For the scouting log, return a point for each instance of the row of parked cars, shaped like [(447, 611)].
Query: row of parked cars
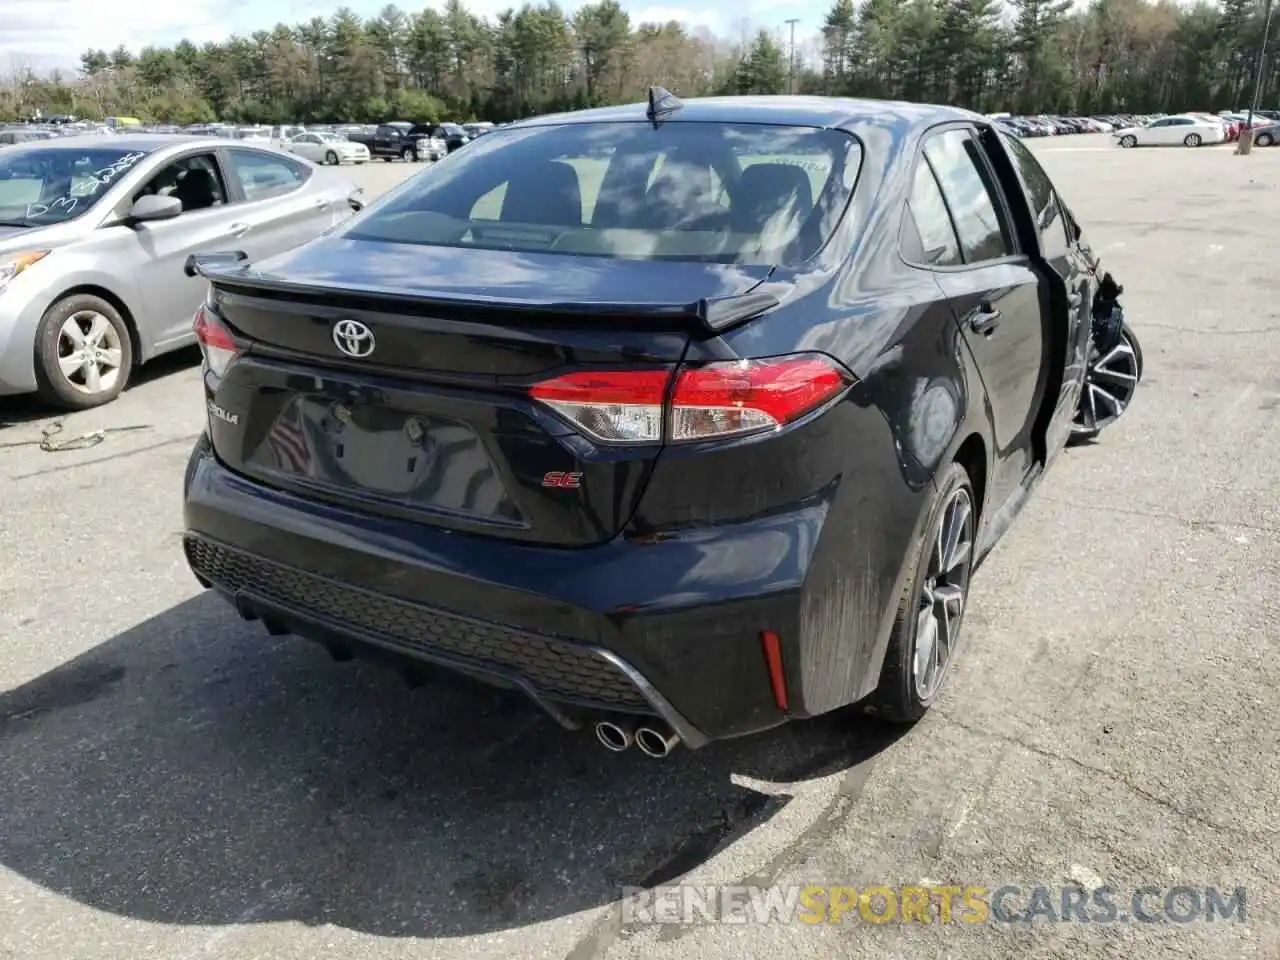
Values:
[(1147, 129), (1194, 129), (1043, 126)]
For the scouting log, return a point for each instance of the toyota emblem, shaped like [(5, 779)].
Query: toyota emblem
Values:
[(353, 338)]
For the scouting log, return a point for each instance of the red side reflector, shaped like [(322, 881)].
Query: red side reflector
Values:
[(773, 659)]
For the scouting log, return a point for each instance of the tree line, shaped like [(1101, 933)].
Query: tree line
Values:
[(1036, 56)]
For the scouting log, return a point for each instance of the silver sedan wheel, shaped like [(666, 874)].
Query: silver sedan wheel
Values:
[(89, 352), (943, 595)]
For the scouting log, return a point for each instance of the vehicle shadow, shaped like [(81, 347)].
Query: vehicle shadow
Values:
[(193, 770), (28, 408)]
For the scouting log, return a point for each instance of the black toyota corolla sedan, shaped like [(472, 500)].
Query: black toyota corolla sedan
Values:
[(684, 418)]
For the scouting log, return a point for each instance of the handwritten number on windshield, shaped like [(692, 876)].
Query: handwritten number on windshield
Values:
[(65, 205), (95, 181), (107, 174)]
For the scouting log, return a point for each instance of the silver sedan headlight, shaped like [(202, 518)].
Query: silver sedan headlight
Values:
[(12, 264)]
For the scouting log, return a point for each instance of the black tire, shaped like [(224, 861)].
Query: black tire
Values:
[(1081, 430), (409, 155), (1192, 140), (56, 388), (331, 159), (897, 698), (1264, 140), (1129, 140)]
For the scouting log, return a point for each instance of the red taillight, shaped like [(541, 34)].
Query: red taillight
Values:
[(723, 399), (216, 342)]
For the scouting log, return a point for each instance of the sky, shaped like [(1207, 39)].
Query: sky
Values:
[(50, 34)]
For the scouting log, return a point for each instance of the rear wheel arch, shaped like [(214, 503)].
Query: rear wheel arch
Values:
[(972, 455)]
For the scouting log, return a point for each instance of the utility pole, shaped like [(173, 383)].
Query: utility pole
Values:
[(791, 60), (1259, 66)]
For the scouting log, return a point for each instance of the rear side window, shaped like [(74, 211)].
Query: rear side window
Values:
[(939, 246), (265, 175), (956, 159), (724, 193)]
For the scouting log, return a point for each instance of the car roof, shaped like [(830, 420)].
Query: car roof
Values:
[(143, 142), (798, 111), (146, 142)]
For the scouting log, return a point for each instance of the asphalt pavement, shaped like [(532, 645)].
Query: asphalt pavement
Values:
[(175, 784)]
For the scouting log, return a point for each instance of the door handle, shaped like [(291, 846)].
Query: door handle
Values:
[(984, 320), (238, 229), (322, 204)]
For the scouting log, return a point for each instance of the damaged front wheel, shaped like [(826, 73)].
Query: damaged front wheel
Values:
[(1111, 379)]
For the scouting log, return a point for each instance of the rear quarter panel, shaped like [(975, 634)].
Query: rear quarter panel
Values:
[(917, 398)]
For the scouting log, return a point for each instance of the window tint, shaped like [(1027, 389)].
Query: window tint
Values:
[(957, 162), (939, 246), (725, 193), (194, 180), (264, 175)]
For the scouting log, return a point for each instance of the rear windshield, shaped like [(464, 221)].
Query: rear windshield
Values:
[(46, 185), (723, 193)]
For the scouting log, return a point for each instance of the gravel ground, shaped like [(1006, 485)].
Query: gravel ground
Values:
[(175, 784)]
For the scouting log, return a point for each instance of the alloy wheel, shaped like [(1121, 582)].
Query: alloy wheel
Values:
[(1109, 384), (89, 352), (943, 594)]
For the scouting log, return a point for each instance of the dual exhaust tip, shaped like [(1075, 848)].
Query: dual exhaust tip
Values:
[(652, 741)]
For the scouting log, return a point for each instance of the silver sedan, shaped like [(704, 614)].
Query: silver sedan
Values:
[(94, 233)]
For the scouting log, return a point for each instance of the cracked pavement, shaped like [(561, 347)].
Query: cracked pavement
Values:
[(176, 784)]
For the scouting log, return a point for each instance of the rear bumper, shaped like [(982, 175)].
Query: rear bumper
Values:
[(668, 628)]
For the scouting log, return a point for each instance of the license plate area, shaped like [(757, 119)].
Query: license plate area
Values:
[(386, 454)]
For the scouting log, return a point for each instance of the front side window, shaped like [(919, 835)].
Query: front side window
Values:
[(194, 180), (724, 193), (1044, 200), (957, 161), (264, 175), (40, 186)]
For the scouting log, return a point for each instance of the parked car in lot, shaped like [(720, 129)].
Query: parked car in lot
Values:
[(93, 235), (12, 135), (686, 439), (1181, 130), (327, 148), (411, 142), (1267, 136)]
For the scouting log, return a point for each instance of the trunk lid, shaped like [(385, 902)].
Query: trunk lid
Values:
[(429, 419)]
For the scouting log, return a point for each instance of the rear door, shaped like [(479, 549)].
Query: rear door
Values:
[(307, 145), (996, 297), (387, 139), (276, 209), (1160, 134)]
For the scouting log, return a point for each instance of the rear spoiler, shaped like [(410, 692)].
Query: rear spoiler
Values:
[(708, 317)]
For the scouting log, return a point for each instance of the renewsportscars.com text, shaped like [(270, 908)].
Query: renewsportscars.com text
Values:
[(946, 904)]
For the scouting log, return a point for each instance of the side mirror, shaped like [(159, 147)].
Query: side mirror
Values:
[(154, 207)]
